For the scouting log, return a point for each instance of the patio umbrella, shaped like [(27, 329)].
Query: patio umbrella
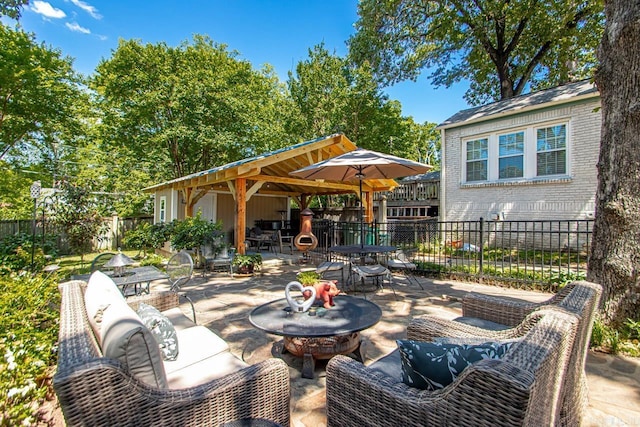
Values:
[(358, 165)]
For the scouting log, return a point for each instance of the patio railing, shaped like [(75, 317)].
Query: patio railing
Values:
[(533, 254)]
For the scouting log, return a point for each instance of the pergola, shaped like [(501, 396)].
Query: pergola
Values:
[(269, 174)]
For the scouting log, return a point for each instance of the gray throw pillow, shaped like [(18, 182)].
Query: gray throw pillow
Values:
[(432, 366), (162, 330)]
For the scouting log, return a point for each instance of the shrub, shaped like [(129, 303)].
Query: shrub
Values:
[(15, 254), (194, 232), (154, 260), (29, 308), (308, 278), (147, 236)]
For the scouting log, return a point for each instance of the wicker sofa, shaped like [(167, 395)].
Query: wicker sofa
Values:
[(205, 386)]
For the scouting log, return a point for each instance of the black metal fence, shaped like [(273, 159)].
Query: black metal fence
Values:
[(533, 254)]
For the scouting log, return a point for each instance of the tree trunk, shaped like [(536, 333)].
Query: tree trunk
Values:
[(615, 253)]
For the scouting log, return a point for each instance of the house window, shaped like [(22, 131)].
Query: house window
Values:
[(477, 155), (511, 155), (522, 154), (162, 212), (551, 150)]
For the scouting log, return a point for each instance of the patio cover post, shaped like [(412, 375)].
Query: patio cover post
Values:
[(240, 215)]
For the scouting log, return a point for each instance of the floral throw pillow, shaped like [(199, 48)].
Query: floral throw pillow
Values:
[(432, 365), (162, 330)]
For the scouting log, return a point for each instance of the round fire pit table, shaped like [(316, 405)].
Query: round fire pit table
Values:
[(318, 333)]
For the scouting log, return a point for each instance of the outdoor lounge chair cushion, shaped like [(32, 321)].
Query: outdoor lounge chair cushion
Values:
[(100, 293), (124, 337), (203, 357), (162, 330), (433, 365)]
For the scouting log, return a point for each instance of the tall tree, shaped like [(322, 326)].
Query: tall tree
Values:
[(39, 92), (183, 109), (501, 47), (332, 95), (12, 8), (615, 259)]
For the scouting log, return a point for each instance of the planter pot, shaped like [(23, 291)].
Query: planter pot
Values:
[(244, 269)]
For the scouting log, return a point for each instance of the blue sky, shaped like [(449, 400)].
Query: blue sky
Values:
[(279, 33)]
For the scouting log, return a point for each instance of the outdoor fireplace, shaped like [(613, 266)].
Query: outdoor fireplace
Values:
[(305, 240)]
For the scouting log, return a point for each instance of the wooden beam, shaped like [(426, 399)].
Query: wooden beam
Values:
[(240, 215), (197, 196), (188, 208), (368, 204), (254, 189), (232, 188), (306, 182)]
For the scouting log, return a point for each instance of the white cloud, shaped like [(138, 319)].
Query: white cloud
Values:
[(45, 9), (87, 8), (77, 28)]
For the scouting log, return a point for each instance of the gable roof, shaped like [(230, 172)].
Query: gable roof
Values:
[(570, 92), (273, 169)]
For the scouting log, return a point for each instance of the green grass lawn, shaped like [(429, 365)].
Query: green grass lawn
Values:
[(74, 264)]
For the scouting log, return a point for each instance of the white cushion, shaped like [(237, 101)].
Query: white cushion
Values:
[(124, 337), (178, 319), (100, 293), (196, 344), (204, 371)]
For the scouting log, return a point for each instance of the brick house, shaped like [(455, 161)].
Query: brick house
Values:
[(532, 157)]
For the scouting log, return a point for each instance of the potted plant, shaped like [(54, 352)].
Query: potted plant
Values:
[(308, 278), (247, 264), (194, 233)]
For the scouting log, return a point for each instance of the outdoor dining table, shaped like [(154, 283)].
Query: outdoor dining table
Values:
[(362, 251), (139, 277), (377, 271)]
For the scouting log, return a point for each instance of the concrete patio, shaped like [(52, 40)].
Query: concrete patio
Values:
[(224, 303)]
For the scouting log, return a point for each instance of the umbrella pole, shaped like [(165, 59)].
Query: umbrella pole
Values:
[(361, 217)]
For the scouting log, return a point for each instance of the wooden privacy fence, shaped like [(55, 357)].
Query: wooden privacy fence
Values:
[(109, 238)]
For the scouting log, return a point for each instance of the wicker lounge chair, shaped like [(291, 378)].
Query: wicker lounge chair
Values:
[(580, 298), (96, 390), (522, 388)]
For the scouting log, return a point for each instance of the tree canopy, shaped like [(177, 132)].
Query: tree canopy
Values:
[(187, 108), (332, 95), (500, 47), (39, 90)]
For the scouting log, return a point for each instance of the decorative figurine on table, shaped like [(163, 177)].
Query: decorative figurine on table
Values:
[(324, 293), (300, 307)]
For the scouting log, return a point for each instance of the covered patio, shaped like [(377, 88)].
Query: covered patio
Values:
[(263, 175)]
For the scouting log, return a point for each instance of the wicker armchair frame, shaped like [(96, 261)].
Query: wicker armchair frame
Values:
[(523, 388), (95, 390), (580, 298)]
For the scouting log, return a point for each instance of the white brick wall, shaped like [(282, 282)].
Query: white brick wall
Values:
[(567, 198)]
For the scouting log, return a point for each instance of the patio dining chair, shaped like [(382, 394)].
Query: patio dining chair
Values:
[(285, 241), (99, 261), (180, 269), (401, 262), (377, 272)]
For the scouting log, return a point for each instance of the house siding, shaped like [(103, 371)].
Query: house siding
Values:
[(566, 197)]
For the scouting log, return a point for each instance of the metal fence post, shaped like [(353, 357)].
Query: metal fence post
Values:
[(481, 244)]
